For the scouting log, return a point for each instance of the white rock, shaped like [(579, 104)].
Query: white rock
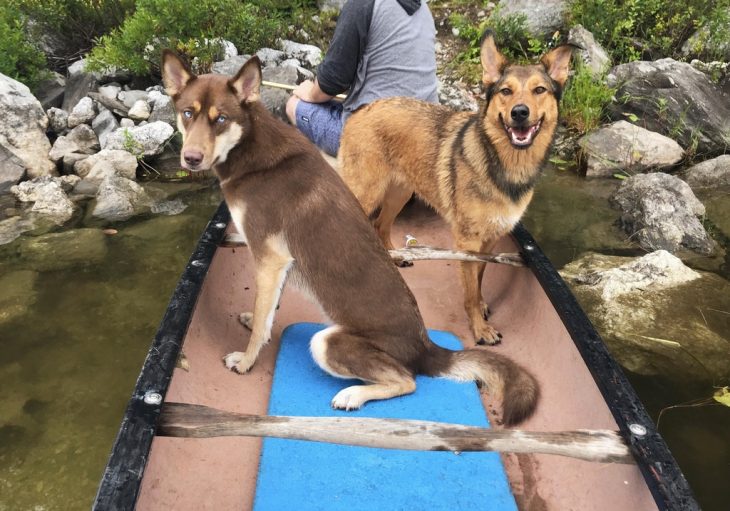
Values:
[(108, 161), (119, 198), (48, 195), (83, 113), (147, 140), (140, 111), (307, 53), (58, 120)]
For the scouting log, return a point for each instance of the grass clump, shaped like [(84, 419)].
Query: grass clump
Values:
[(586, 98)]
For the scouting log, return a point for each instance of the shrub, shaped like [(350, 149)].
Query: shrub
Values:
[(21, 60), (67, 29), (651, 29), (191, 28)]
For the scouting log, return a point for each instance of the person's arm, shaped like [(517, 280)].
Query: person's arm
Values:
[(311, 92), (337, 72)]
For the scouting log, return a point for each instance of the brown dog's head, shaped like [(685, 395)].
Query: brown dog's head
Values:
[(522, 101), (213, 111)]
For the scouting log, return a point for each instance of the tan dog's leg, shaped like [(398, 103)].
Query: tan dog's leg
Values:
[(271, 273), (471, 277), (395, 198), (350, 356)]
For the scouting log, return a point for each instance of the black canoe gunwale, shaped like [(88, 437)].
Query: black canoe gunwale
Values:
[(122, 478)]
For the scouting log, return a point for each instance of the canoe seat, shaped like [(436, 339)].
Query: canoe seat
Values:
[(302, 476)]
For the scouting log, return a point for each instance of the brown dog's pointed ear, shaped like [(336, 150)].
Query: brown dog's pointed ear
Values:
[(175, 73), (557, 63), (247, 82), (493, 62)]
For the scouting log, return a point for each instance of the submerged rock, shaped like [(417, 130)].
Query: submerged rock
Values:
[(119, 198), (19, 294), (48, 195), (710, 174), (660, 211), (56, 251), (656, 315)]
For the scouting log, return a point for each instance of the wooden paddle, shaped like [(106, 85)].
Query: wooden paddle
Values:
[(197, 421), (288, 87)]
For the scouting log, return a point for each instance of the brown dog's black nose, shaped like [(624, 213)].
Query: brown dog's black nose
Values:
[(193, 158), (520, 113)]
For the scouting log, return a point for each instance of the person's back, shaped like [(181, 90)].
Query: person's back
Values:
[(381, 48), (399, 59)]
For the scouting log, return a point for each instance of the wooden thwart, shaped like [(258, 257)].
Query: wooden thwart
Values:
[(197, 421)]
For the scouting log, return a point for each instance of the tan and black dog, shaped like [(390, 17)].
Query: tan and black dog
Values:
[(477, 170), (301, 221)]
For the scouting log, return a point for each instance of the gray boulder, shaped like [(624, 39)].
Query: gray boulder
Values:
[(147, 140), (304, 74), (230, 66), (48, 195), (455, 97), (542, 17), (11, 228), (110, 91), (83, 113), (309, 54), (273, 98), (57, 120), (78, 86), (710, 174), (163, 110), (625, 146), (104, 125), (81, 139), (592, 54), (130, 97), (11, 169), (126, 123), (119, 198), (23, 126), (70, 160), (656, 315), (270, 57), (107, 162), (660, 212), (140, 111), (675, 99), (50, 91)]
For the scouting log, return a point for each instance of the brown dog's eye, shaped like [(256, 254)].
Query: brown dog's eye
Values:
[(540, 90), (187, 114), (505, 91)]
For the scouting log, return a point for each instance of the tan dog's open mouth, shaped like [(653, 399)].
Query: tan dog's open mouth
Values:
[(522, 136)]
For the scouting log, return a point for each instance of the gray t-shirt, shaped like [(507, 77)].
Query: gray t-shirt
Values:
[(381, 48)]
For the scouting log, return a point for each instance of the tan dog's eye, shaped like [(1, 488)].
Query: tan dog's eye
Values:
[(540, 90), (505, 92)]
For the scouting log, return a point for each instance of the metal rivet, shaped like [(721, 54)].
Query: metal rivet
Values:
[(638, 429), (198, 262), (220, 225), (529, 246), (152, 398)]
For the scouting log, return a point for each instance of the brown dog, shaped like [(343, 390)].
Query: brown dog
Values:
[(477, 170), (300, 220)]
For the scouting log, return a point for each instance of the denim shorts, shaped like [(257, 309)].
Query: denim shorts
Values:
[(321, 123)]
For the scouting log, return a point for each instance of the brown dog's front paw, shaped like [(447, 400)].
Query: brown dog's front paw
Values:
[(484, 333)]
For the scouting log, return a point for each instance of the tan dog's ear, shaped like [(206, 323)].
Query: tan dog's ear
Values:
[(175, 73), (493, 62), (557, 63), (247, 82)]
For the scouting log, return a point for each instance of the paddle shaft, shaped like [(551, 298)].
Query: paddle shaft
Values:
[(286, 86), (197, 421)]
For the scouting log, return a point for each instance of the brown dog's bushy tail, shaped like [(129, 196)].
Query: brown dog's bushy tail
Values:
[(505, 379)]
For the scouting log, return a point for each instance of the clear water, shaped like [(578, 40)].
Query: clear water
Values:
[(68, 362)]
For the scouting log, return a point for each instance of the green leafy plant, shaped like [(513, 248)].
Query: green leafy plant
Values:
[(194, 29), (585, 100), (21, 59)]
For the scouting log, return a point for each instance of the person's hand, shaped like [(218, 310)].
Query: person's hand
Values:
[(304, 91)]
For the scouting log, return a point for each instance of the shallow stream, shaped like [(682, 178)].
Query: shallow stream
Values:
[(73, 341)]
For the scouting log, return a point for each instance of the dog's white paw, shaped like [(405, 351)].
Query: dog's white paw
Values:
[(238, 362), (246, 319), (350, 398)]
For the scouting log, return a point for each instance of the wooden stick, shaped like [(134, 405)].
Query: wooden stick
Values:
[(419, 253), (422, 252), (196, 421), (286, 86)]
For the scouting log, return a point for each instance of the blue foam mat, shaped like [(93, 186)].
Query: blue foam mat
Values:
[(304, 476)]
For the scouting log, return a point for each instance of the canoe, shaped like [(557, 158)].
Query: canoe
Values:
[(544, 328)]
